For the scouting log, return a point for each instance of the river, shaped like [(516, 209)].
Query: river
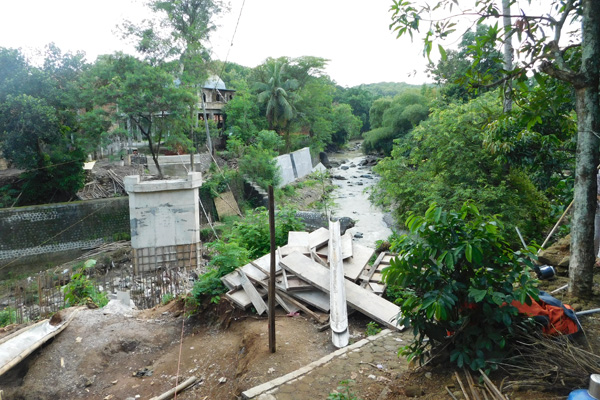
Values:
[(351, 197)]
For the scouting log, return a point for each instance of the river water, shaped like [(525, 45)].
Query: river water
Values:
[(351, 197)]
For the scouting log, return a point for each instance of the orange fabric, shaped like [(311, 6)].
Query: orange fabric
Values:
[(559, 323)]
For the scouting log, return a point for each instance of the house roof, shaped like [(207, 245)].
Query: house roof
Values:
[(214, 82)]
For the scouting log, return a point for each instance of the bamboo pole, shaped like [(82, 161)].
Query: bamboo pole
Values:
[(556, 226), (178, 388)]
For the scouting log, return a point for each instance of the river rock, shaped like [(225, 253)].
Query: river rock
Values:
[(340, 178), (314, 220)]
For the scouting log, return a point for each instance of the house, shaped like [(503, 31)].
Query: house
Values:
[(215, 96)]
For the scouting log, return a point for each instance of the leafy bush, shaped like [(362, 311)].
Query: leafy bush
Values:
[(227, 257), (443, 160), (7, 316), (372, 329), (81, 289), (456, 277), (253, 234), (259, 166)]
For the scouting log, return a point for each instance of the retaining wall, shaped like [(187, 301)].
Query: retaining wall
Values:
[(28, 232)]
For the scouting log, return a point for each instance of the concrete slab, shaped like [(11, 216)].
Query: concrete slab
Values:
[(302, 162), (226, 205), (284, 162)]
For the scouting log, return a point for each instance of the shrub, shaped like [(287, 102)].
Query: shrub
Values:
[(81, 289), (259, 166), (228, 256), (456, 277), (8, 316), (253, 234)]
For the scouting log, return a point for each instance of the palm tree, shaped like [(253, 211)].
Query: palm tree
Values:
[(278, 94)]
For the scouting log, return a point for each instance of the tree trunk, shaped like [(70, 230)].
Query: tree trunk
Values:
[(588, 124)]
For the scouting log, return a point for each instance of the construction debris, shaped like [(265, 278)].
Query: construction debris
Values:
[(303, 279)]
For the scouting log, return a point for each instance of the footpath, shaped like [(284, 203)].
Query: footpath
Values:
[(370, 364)]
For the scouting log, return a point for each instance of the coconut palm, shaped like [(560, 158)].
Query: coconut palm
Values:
[(278, 95)]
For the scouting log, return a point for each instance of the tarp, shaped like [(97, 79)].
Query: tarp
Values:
[(555, 317)]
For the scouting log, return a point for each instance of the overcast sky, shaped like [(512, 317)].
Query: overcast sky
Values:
[(353, 34)]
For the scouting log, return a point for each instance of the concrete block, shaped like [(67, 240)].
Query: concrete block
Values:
[(302, 162), (285, 165)]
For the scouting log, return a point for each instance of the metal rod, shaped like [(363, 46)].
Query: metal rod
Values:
[(271, 305)]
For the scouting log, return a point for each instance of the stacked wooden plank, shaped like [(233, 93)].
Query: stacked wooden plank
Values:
[(303, 280)]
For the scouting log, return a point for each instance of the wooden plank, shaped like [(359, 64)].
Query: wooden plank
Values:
[(354, 265), (318, 238), (376, 277), (264, 263), (293, 283), (338, 316), (239, 298), (366, 302), (289, 249), (377, 288), (287, 305), (226, 205), (302, 307), (365, 278), (232, 279), (386, 259), (315, 297), (255, 298), (347, 247), (298, 238)]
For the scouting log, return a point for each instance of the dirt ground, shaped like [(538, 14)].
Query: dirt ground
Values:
[(141, 355)]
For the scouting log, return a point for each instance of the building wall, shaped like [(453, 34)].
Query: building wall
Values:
[(54, 228)]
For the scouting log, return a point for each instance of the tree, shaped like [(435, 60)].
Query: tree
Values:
[(360, 100), (346, 125), (243, 114), (443, 160), (179, 35), (581, 70), (392, 119), (147, 96), (39, 129), (466, 72), (277, 93)]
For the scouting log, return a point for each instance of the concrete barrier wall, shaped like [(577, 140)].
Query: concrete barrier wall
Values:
[(294, 165), (55, 228)]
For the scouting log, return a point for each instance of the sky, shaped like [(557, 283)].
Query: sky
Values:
[(353, 35)]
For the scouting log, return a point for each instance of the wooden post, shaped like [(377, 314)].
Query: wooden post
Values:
[(272, 347)]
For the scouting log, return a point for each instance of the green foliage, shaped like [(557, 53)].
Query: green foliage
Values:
[(260, 166), (343, 391), (456, 277), (243, 115), (359, 100), (8, 316), (372, 329), (167, 297), (463, 73), (81, 289), (226, 257), (252, 233), (392, 119), (345, 125), (444, 160)]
